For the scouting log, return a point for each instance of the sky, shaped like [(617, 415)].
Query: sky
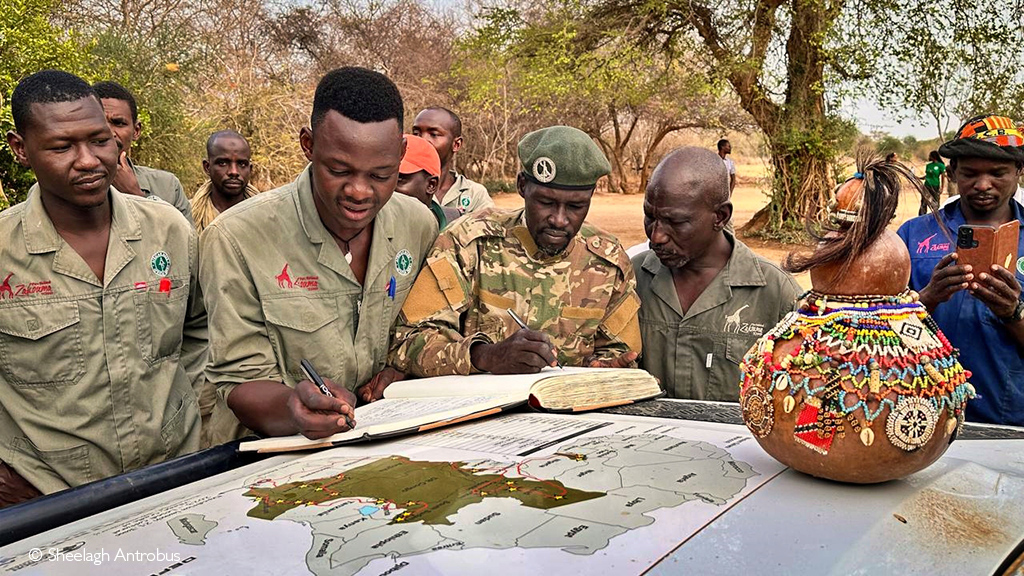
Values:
[(870, 117)]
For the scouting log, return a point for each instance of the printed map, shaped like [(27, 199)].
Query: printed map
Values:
[(616, 497)]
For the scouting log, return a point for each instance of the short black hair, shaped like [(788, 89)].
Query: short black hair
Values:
[(722, 143), (45, 87), (222, 134), (111, 89), (357, 94), (456, 121)]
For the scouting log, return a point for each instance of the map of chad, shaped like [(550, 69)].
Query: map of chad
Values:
[(577, 499)]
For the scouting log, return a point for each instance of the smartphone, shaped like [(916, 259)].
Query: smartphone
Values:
[(983, 246)]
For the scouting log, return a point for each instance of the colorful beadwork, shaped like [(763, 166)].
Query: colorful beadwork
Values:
[(910, 425), (859, 358), (759, 412)]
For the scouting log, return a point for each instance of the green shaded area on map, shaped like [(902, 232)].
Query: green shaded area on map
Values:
[(428, 492)]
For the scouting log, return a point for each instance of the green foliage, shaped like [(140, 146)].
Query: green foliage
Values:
[(30, 42), (160, 69), (500, 186)]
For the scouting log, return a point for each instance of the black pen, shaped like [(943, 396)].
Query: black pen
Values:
[(315, 378), (523, 325)]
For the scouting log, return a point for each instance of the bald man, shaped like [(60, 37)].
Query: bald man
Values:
[(704, 296), (228, 166)]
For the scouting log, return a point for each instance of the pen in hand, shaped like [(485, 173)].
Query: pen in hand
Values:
[(315, 378), (523, 325)]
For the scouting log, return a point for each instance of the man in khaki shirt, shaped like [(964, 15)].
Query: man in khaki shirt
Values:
[(102, 327), (318, 269), (123, 116), (443, 129), (705, 298)]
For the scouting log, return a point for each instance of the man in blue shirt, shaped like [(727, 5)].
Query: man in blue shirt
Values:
[(980, 311)]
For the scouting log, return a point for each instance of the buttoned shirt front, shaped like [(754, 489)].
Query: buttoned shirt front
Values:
[(696, 355), (98, 377), (280, 290), (986, 348)]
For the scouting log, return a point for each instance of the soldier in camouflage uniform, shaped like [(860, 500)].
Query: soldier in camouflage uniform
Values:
[(571, 283)]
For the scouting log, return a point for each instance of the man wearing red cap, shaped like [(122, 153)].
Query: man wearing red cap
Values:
[(420, 175), (980, 311)]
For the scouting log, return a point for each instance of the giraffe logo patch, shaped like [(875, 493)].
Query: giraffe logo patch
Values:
[(403, 262), (160, 263)]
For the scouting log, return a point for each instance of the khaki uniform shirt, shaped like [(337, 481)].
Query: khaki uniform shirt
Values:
[(98, 378), (164, 186), (466, 196), (483, 264), (697, 355), (279, 290)]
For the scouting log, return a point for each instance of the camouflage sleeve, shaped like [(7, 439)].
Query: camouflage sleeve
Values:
[(619, 331), (428, 338)]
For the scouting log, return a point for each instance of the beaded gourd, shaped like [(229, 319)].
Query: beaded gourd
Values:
[(858, 384)]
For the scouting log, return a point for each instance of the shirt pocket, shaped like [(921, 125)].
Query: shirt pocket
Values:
[(180, 426), (159, 320), (41, 345), (301, 327), (71, 465)]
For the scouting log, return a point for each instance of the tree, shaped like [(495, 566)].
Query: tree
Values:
[(29, 42), (774, 55), (562, 71), (948, 60)]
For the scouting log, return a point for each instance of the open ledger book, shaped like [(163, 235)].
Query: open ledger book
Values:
[(411, 406)]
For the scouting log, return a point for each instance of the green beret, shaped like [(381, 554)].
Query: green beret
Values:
[(562, 157)]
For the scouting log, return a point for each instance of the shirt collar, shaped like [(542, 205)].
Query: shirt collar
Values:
[(953, 216), (41, 236), (458, 187), (742, 269), (309, 218)]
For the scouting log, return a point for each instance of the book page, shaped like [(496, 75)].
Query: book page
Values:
[(389, 416), (476, 384)]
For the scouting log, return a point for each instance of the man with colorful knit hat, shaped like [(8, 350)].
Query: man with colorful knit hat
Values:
[(419, 176), (980, 311)]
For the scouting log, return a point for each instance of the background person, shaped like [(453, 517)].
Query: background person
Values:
[(228, 167), (980, 311), (123, 116), (443, 129)]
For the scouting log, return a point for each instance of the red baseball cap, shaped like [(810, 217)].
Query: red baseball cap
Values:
[(419, 155)]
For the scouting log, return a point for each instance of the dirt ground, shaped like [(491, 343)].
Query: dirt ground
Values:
[(622, 215)]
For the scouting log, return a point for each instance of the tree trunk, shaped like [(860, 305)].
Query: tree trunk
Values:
[(798, 131)]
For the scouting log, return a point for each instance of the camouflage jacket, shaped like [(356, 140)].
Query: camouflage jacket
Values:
[(584, 298)]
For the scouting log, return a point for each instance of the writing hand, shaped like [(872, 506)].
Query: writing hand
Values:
[(317, 415), (524, 352)]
